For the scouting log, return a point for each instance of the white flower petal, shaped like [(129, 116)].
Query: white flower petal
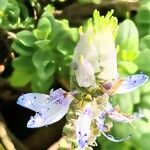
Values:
[(33, 101), (52, 112), (46, 118), (38, 101), (131, 83), (86, 48), (35, 122), (83, 126), (107, 53), (85, 74), (120, 117)]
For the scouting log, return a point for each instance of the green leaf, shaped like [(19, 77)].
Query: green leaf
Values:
[(46, 72), (66, 46), (125, 102), (20, 78), (146, 101), (26, 38), (22, 49), (39, 85), (41, 59), (48, 10), (144, 141), (24, 71), (145, 43), (128, 40), (74, 33), (43, 29), (3, 5), (1, 20), (128, 55), (128, 66), (24, 10), (44, 24), (143, 14), (142, 18), (143, 61), (12, 11), (145, 88), (42, 44), (144, 29), (114, 146), (136, 96), (24, 63)]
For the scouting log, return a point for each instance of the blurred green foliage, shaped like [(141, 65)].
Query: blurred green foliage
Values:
[(44, 52), (14, 14), (44, 47), (89, 1), (128, 42), (1, 147), (143, 18)]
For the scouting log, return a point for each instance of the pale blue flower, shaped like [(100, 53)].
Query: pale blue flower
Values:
[(49, 108)]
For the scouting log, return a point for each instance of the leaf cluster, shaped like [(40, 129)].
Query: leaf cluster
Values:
[(44, 52), (14, 14)]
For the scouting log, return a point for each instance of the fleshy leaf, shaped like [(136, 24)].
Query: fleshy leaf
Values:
[(26, 38), (22, 49)]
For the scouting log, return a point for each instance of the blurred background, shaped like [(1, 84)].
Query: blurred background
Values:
[(37, 40)]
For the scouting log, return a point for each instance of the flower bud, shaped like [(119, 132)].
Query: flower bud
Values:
[(97, 47)]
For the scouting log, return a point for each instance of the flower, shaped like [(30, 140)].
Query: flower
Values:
[(49, 108), (125, 85), (95, 78), (87, 117)]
